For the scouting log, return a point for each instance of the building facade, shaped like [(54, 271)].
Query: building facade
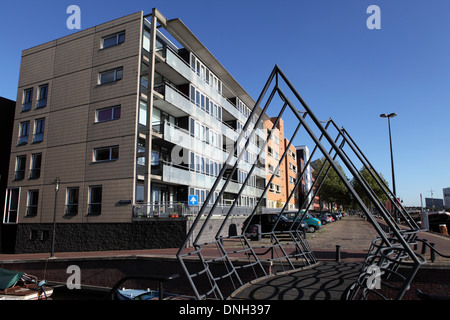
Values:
[(434, 204), (446, 194), (285, 177), (304, 194), (115, 127)]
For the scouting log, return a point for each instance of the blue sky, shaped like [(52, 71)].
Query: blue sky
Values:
[(341, 68)]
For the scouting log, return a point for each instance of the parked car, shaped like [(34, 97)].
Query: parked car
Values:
[(323, 217), (335, 216), (313, 224), (267, 222)]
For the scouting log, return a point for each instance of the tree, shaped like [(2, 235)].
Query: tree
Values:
[(333, 189), (374, 183)]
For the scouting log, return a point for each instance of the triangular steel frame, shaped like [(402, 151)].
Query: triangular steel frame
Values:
[(391, 250)]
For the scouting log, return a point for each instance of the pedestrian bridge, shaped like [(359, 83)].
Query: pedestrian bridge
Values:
[(390, 252)]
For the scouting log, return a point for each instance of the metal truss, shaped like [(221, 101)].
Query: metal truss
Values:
[(222, 266)]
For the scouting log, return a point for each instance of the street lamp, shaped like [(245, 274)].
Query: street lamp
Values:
[(389, 116), (52, 254)]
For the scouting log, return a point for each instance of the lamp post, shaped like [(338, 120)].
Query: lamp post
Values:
[(389, 116), (52, 254)]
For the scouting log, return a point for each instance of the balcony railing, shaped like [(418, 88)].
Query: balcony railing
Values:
[(177, 209)]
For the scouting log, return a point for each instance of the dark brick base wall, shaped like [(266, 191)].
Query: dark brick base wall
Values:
[(154, 234)]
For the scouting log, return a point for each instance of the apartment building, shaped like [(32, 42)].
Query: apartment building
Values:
[(115, 127), (285, 177), (304, 194)]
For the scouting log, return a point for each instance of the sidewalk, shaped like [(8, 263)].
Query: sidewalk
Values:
[(352, 234), (324, 281), (329, 279)]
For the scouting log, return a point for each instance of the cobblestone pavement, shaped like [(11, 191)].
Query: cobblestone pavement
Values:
[(329, 279), (352, 233)]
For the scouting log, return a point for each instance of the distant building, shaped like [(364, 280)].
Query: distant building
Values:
[(446, 192), (434, 204), (285, 177), (306, 179)]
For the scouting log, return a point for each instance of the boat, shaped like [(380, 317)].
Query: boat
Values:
[(16, 285), (137, 294)]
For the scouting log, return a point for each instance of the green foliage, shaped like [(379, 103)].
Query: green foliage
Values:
[(332, 190), (374, 182)]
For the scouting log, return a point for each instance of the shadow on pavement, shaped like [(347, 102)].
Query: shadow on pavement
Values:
[(325, 281)]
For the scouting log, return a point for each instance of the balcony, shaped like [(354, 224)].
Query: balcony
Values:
[(143, 211), (181, 175), (177, 104), (183, 139), (179, 72)]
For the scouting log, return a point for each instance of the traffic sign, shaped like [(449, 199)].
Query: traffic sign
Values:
[(193, 200)]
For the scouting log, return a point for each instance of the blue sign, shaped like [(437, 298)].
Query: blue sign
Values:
[(193, 200)]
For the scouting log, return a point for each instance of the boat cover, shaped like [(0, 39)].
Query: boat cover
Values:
[(8, 278)]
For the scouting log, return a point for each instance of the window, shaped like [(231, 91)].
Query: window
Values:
[(274, 188), (157, 120), (42, 98), (108, 114), (192, 127), (95, 200), (113, 40), (140, 193), (292, 154), (292, 167), (144, 84), (20, 167), (11, 206), (272, 170), (35, 171), (23, 132), (207, 104), (39, 125), (146, 40), (72, 197), (192, 162), (141, 152), (106, 154), (111, 76), (27, 99), (33, 196), (142, 113)]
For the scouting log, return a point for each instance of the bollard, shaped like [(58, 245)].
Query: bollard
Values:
[(432, 252), (424, 246), (338, 253)]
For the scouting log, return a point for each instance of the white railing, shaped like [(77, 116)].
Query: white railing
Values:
[(178, 209)]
